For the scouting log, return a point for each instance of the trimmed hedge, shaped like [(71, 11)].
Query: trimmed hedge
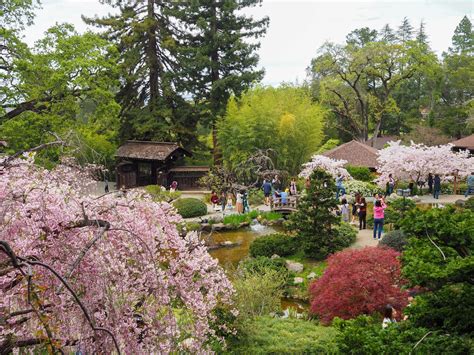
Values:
[(190, 207), (395, 239), (360, 173), (278, 243)]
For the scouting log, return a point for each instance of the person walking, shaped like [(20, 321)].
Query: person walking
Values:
[(223, 201), (276, 183), (470, 185), (267, 191), (106, 188), (344, 208), (239, 203), (293, 190), (339, 186), (379, 217), (354, 207), (430, 183), (436, 186), (389, 315), (362, 213), (214, 201), (391, 184)]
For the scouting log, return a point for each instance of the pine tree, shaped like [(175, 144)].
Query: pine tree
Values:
[(387, 34), (421, 35), (146, 35), (314, 220), (219, 54), (405, 31), (463, 38)]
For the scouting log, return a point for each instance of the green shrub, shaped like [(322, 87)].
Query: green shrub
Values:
[(278, 243), (258, 293), (267, 335), (190, 207), (256, 197), (470, 203), (365, 335), (345, 236), (236, 219), (395, 239), (396, 209), (262, 264), (160, 195), (360, 173)]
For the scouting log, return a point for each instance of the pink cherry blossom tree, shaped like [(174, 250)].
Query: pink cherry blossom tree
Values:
[(332, 166), (415, 161), (107, 274)]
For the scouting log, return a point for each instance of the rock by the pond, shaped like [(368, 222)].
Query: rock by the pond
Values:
[(294, 266), (460, 203), (275, 256), (219, 227), (311, 275), (298, 280)]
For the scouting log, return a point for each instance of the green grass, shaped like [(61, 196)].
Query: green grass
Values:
[(267, 335)]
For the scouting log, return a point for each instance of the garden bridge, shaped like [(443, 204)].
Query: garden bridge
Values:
[(284, 205)]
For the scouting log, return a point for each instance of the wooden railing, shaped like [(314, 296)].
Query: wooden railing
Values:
[(289, 203)]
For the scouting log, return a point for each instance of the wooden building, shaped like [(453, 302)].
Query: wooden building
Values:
[(141, 163)]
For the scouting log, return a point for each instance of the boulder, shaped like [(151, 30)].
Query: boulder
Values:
[(298, 280), (275, 256), (219, 227), (294, 266), (311, 275), (460, 203)]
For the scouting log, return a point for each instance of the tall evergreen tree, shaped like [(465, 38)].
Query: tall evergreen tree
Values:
[(146, 34), (219, 54), (314, 221), (421, 35), (387, 34), (463, 38), (405, 31)]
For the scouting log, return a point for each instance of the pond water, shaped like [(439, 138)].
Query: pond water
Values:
[(243, 237), (231, 256)]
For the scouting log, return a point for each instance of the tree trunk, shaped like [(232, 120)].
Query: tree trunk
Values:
[(152, 56), (214, 97)]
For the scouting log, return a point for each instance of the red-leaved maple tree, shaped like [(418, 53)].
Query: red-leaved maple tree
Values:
[(358, 282)]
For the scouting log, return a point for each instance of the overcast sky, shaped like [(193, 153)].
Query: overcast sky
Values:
[(298, 28)]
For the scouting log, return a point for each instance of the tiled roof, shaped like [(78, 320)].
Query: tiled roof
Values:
[(148, 150), (466, 142), (356, 154), (381, 141)]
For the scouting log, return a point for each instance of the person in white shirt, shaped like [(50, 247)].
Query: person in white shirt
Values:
[(389, 315)]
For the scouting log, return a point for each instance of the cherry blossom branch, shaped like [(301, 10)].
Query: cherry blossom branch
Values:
[(10, 158), (19, 263)]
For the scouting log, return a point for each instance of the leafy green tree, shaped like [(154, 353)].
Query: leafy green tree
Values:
[(282, 119), (64, 85), (218, 55), (314, 221), (361, 36), (439, 257)]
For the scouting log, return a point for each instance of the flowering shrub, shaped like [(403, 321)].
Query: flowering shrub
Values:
[(101, 274), (362, 187), (331, 166), (358, 282)]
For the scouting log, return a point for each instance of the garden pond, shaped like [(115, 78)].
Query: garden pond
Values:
[(241, 239)]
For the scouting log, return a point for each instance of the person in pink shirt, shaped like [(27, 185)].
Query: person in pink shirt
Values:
[(379, 215)]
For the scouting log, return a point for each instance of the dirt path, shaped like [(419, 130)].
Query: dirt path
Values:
[(364, 239)]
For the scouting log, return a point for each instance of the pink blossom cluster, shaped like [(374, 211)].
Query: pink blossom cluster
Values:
[(332, 166), (415, 161), (153, 289)]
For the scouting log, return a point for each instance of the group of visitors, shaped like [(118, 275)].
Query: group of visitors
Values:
[(359, 210), (226, 201), (273, 189)]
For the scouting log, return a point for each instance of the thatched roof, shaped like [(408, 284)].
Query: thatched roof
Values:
[(380, 141), (356, 154), (465, 143), (149, 150)]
